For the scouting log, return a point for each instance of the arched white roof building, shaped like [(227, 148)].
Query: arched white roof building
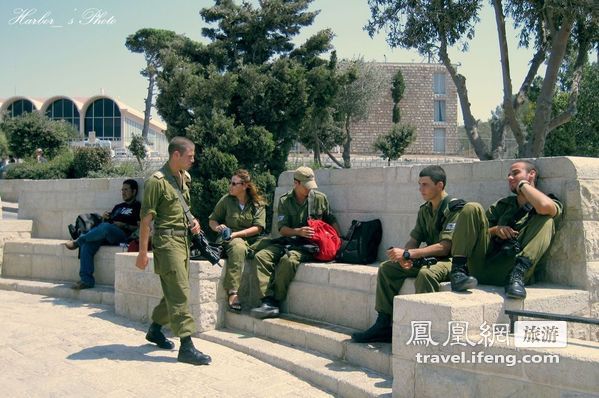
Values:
[(108, 117)]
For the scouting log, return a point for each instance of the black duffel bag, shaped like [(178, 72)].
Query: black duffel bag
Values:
[(361, 244)]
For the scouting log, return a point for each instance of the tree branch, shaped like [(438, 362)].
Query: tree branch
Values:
[(470, 123), (333, 158), (509, 113)]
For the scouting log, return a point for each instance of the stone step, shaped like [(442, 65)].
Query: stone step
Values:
[(486, 305), (341, 294), (331, 340), (338, 377), (48, 259), (500, 370), (100, 294)]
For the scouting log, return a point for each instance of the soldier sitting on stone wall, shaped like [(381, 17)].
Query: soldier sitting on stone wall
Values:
[(503, 245)]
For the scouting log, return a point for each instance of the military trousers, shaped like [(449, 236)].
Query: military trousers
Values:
[(391, 276), (171, 263), (486, 261), (237, 250), (276, 269)]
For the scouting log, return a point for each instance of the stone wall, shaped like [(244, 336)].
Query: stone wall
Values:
[(12, 230), (391, 194), (137, 292), (54, 204), (417, 109)]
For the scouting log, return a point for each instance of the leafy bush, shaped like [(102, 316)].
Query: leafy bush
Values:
[(124, 169), (91, 159), (59, 167), (394, 143), (33, 130)]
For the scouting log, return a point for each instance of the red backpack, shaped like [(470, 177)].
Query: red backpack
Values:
[(326, 238)]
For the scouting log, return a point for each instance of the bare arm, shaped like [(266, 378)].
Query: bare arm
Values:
[(541, 202), (144, 239)]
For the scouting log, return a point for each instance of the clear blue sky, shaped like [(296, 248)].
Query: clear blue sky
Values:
[(65, 53)]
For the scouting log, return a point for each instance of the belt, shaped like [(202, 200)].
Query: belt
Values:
[(170, 232)]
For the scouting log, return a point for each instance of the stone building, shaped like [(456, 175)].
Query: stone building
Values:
[(429, 103)]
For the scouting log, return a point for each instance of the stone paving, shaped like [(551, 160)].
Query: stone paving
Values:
[(51, 347)]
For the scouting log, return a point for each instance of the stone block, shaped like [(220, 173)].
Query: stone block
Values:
[(404, 376), (375, 356), (18, 246), (239, 322), (440, 308), (69, 267), (16, 265), (143, 283), (366, 198), (326, 341), (46, 268), (397, 175), (132, 306), (45, 248), (352, 277), (314, 273), (348, 308), (206, 316), (290, 332)]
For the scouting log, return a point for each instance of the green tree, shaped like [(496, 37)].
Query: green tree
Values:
[(33, 130), (138, 148), (397, 89), (150, 42), (244, 97), (393, 144), (360, 84), (579, 137), (550, 27)]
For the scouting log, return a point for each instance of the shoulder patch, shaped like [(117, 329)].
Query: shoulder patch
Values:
[(158, 174)]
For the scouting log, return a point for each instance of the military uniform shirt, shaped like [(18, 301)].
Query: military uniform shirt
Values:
[(294, 215), (503, 211), (227, 211), (426, 223), (162, 201)]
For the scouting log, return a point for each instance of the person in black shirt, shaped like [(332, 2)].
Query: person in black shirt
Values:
[(116, 228)]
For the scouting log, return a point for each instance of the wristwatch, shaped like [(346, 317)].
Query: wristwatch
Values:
[(406, 255), (522, 183)]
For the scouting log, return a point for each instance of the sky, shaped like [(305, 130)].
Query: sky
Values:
[(77, 47)]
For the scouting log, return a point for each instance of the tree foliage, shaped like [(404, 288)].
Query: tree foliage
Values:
[(397, 88), (32, 130), (151, 42), (393, 144), (552, 28), (244, 98), (360, 84), (138, 148), (88, 159)]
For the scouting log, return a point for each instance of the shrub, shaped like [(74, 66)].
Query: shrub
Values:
[(90, 159), (59, 167), (124, 169)]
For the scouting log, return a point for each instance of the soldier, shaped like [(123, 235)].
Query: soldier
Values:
[(171, 249), (434, 226), (504, 245), (293, 210), (240, 217)]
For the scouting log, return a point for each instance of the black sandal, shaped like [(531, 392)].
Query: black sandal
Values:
[(235, 306)]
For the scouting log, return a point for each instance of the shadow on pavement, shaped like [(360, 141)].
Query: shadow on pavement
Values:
[(121, 352)]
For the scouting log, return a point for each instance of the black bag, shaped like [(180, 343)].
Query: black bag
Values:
[(202, 249), (84, 223), (296, 243), (362, 242)]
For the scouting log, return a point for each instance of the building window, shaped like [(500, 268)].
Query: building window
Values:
[(103, 117), (440, 111), (64, 109), (439, 141), (439, 83), (19, 107)]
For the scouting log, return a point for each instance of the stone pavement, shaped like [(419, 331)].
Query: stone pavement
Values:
[(51, 347)]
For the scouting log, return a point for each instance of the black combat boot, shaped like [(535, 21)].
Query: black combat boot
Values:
[(381, 331), (515, 286), (156, 336), (189, 354), (460, 280)]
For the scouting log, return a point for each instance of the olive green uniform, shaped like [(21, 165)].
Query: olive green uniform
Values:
[(171, 251), (391, 275), (293, 215), (228, 211), (487, 261)]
